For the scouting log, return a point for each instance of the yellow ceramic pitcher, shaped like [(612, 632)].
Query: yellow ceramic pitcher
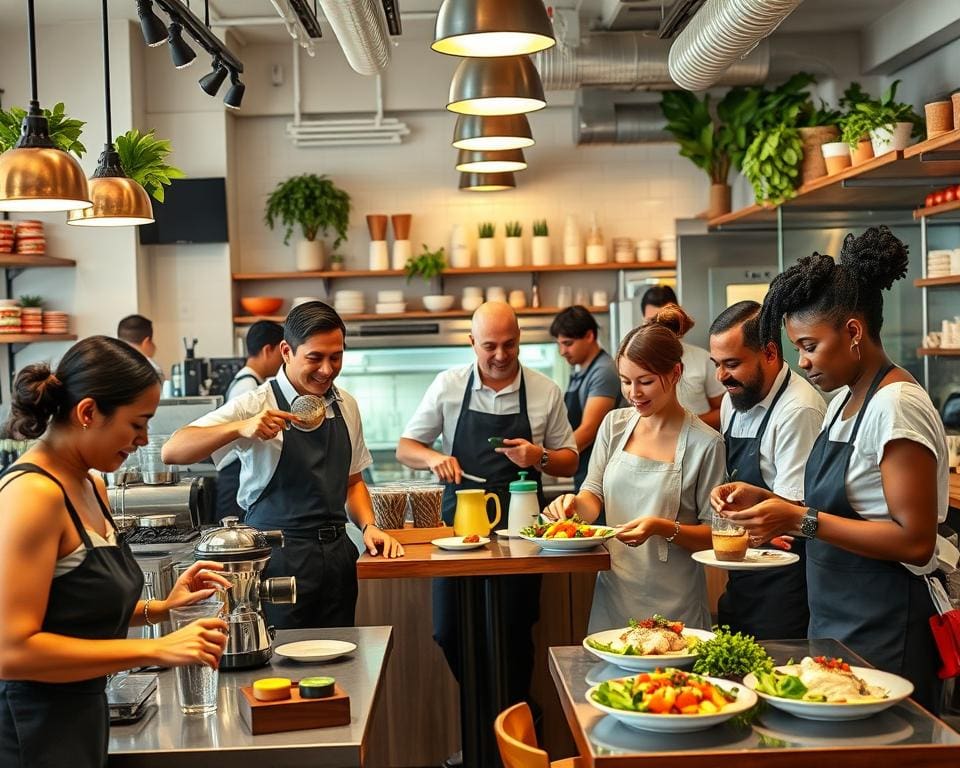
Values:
[(471, 515)]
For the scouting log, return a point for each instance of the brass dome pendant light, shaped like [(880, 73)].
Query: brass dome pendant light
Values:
[(481, 28), (494, 132), (509, 85), (487, 182), (35, 175), (118, 201)]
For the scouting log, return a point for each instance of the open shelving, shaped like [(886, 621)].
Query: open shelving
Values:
[(418, 315)]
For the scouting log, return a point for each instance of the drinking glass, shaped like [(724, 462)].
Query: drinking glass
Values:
[(730, 541), (196, 683)]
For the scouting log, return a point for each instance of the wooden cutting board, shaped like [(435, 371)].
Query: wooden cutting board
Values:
[(295, 713)]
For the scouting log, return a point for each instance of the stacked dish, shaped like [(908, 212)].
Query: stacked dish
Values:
[(7, 229), (30, 238), (938, 263), (31, 319), (55, 322), (9, 316), (390, 303), (348, 302)]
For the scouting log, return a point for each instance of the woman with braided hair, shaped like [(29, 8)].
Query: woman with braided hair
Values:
[(876, 479)]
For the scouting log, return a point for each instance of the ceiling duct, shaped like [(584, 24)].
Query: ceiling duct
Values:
[(361, 28), (719, 35), (630, 61), (602, 117)]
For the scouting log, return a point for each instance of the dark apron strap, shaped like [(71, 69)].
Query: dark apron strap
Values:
[(26, 468)]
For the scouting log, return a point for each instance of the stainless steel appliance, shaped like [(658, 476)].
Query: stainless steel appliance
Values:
[(202, 376), (245, 552), (158, 566), (191, 500)]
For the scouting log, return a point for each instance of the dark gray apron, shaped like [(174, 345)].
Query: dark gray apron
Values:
[(52, 725), (876, 607), (770, 605), (306, 499), (571, 399), (228, 478)]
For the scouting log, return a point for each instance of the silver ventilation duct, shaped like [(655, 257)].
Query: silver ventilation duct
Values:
[(719, 35), (361, 28), (631, 61), (599, 119)]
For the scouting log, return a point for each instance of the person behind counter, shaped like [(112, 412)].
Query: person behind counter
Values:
[(263, 361), (69, 591), (771, 418), (875, 486), (137, 331), (698, 390), (594, 388), (652, 470), (302, 482)]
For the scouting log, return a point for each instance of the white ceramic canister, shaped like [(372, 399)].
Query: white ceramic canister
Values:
[(513, 252), (401, 252), (540, 246), (524, 504), (459, 248), (379, 256)]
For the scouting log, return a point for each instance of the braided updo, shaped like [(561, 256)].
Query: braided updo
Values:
[(819, 287)]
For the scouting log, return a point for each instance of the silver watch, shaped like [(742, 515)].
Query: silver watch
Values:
[(809, 523), (544, 458)]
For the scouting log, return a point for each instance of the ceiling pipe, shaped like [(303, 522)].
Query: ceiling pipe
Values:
[(361, 28)]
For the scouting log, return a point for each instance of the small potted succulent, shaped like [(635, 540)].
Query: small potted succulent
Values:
[(513, 247), (889, 123), (336, 262), (540, 244), (486, 245)]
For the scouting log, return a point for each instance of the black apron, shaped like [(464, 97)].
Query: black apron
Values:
[(571, 399), (306, 499), (770, 605), (876, 607), (520, 595), (228, 478), (51, 725)]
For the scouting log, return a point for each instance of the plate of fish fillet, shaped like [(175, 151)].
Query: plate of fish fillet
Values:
[(647, 644)]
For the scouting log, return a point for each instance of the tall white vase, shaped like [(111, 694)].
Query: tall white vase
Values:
[(309, 255), (540, 246), (401, 252), (459, 249), (513, 252), (379, 256), (486, 253)]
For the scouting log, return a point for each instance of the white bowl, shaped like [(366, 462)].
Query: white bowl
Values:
[(644, 663), (389, 297), (438, 303), (391, 307), (471, 303)]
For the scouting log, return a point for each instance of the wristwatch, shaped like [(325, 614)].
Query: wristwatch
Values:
[(809, 523), (544, 458)]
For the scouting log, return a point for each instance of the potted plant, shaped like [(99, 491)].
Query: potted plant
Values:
[(64, 131), (889, 123), (143, 158), (336, 262), (314, 204), (513, 248), (854, 125), (541, 243), (772, 163), (427, 265), (818, 125), (486, 246)]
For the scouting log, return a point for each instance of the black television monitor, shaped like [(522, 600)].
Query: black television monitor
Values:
[(193, 211)]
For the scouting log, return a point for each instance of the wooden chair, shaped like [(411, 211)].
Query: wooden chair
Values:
[(518, 741)]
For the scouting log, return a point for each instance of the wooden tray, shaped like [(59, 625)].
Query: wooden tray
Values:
[(410, 535), (293, 714)]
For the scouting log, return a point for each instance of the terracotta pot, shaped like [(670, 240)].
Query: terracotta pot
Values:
[(939, 116), (813, 166), (401, 226), (863, 152), (719, 200), (377, 224), (336, 266), (836, 156)]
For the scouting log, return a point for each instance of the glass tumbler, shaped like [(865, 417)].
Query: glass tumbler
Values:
[(196, 683)]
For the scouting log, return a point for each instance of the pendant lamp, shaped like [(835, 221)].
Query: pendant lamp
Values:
[(492, 28), (492, 133), (118, 201), (504, 161), (35, 175), (509, 85), (487, 182)]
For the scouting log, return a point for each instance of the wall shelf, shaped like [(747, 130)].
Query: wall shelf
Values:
[(418, 315), (936, 210), (937, 352), (933, 282), (12, 260), (367, 273)]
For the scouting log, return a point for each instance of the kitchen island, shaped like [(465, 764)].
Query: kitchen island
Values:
[(167, 737)]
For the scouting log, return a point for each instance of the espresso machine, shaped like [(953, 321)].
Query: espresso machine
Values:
[(245, 552)]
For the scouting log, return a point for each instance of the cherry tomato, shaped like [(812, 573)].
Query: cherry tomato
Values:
[(928, 201), (938, 197), (949, 195)]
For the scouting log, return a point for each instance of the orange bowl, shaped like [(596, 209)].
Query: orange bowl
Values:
[(261, 306)]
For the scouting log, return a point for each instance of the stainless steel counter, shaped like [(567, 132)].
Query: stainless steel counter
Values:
[(166, 737)]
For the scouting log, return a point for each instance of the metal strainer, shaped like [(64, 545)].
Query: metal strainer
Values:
[(311, 410)]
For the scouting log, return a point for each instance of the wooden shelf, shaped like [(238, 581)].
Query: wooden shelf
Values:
[(936, 210), (945, 142), (937, 352), (367, 273), (29, 338), (418, 315), (22, 261), (932, 282)]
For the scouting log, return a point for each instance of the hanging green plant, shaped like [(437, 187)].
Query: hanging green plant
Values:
[(143, 158), (64, 131), (312, 202), (772, 163)]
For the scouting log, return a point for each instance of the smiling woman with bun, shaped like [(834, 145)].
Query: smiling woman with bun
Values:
[(69, 591), (875, 484), (651, 471)]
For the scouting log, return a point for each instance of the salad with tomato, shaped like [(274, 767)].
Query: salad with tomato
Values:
[(571, 528), (665, 692)]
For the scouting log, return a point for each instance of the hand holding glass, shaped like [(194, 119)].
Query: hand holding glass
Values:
[(196, 683), (730, 540)]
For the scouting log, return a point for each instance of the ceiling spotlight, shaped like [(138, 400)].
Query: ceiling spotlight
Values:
[(211, 82), (493, 132), (154, 31), (508, 85), (181, 53), (235, 93), (487, 182), (492, 27)]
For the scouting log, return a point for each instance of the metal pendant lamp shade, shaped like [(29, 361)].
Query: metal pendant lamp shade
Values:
[(509, 85), (487, 182), (481, 28), (504, 161), (494, 132)]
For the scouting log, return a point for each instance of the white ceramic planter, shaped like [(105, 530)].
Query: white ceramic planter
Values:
[(486, 253), (890, 137), (379, 256), (540, 246), (401, 252), (513, 252), (836, 156), (310, 255)]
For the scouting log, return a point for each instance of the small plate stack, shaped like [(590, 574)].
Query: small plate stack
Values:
[(31, 319), (55, 322), (390, 303), (348, 302), (10, 316), (30, 238), (938, 263), (7, 232)]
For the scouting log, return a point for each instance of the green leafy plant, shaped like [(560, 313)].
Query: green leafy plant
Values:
[(693, 127), (143, 158), (730, 654), (64, 131), (336, 258), (427, 265), (866, 114), (540, 228), (31, 301), (514, 228), (772, 163), (486, 229), (313, 203)]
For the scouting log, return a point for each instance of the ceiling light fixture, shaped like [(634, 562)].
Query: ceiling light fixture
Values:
[(235, 92), (211, 82), (154, 31), (35, 175), (487, 182), (504, 161), (181, 54), (118, 201), (508, 85), (492, 28), (494, 132)]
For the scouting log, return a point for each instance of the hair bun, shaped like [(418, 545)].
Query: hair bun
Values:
[(875, 258), (37, 395), (675, 319)]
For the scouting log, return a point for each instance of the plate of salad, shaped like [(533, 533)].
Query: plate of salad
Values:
[(567, 535), (647, 644), (670, 701)]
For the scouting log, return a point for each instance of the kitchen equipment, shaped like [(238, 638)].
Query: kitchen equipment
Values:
[(524, 504), (471, 515), (426, 504), (156, 521), (474, 478), (311, 410), (191, 500), (245, 552), (127, 696), (389, 506), (153, 470), (196, 683)]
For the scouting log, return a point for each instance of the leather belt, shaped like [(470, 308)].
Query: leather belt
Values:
[(327, 533)]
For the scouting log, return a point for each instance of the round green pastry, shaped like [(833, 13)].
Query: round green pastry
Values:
[(316, 687)]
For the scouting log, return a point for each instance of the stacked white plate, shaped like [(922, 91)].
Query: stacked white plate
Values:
[(389, 297), (349, 302), (938, 263), (391, 307)]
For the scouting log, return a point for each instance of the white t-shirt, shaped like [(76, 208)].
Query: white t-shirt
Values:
[(245, 381), (899, 411), (699, 380), (259, 458), (794, 424)]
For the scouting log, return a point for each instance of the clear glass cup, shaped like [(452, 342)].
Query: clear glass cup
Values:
[(196, 683), (730, 541)]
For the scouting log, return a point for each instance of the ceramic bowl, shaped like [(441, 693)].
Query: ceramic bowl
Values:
[(438, 303), (261, 306)]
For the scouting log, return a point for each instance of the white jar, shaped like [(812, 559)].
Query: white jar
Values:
[(486, 253), (513, 252)]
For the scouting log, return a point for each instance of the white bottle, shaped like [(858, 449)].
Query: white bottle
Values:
[(459, 248), (572, 244), (524, 504)]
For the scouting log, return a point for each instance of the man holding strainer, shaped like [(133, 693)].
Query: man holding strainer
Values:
[(301, 449)]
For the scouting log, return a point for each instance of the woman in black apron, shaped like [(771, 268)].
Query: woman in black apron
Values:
[(88, 416), (860, 591)]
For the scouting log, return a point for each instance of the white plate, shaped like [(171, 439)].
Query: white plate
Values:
[(756, 560), (506, 533), (456, 543), (898, 688), (315, 650), (645, 721), (569, 545), (881, 729), (643, 663)]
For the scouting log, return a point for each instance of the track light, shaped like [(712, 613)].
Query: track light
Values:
[(211, 82), (235, 93), (154, 31), (181, 53)]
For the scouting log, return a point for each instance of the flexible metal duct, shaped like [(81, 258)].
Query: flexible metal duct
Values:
[(630, 60), (361, 28), (720, 34), (612, 123)]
